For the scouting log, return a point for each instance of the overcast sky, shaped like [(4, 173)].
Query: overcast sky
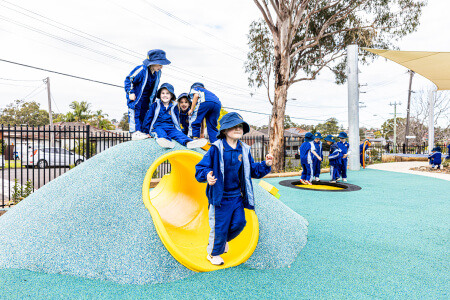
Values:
[(205, 40)]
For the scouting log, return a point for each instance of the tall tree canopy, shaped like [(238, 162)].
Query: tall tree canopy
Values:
[(298, 38), (24, 113)]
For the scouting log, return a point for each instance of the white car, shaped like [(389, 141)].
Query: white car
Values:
[(51, 157)]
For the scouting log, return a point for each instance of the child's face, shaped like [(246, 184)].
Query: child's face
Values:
[(156, 68), (342, 140), (184, 103), (329, 143), (165, 96), (316, 140), (235, 132)]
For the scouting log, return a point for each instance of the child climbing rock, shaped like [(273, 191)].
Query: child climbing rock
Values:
[(228, 167)]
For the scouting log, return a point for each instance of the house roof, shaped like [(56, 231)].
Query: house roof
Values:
[(254, 132)]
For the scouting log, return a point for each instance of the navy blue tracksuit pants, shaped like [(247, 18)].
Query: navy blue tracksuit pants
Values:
[(306, 172), (226, 221), (171, 133), (210, 111), (334, 172), (316, 167), (343, 168)]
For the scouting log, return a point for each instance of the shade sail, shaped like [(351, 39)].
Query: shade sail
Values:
[(434, 66)]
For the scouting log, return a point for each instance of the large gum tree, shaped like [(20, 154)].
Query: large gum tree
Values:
[(296, 39)]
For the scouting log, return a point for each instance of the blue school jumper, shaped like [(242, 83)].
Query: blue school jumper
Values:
[(435, 159), (208, 107), (448, 152), (335, 159), (143, 84), (183, 120), (306, 160), (232, 192), (316, 162), (344, 148), (162, 122)]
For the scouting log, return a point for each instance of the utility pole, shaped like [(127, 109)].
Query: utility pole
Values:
[(411, 74), (47, 81), (353, 105), (395, 122)]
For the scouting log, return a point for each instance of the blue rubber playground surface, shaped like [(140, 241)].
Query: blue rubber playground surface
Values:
[(389, 240)]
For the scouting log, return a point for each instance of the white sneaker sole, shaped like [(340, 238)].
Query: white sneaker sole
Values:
[(196, 143), (214, 262), (165, 143), (139, 137)]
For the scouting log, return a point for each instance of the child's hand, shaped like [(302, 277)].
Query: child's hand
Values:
[(269, 160), (190, 112), (132, 97), (320, 158), (211, 179), (345, 155)]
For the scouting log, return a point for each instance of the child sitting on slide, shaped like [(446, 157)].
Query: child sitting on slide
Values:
[(228, 167), (161, 121), (184, 104)]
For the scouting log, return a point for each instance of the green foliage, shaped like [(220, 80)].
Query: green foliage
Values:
[(2, 146), (388, 127), (81, 111), (20, 112), (288, 123), (329, 127), (20, 192), (124, 122), (81, 148)]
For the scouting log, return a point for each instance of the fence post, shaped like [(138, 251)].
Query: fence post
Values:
[(404, 148), (262, 148), (88, 141), (284, 154)]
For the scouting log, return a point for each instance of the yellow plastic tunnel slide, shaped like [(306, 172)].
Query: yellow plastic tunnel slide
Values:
[(179, 209)]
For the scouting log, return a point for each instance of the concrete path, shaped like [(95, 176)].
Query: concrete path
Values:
[(404, 167)]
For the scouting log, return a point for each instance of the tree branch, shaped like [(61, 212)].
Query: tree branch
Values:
[(267, 16)]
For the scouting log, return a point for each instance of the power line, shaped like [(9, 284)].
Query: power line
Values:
[(60, 73), (19, 79)]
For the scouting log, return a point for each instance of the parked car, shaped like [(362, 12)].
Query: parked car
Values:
[(51, 157)]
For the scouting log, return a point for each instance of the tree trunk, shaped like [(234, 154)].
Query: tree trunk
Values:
[(281, 69)]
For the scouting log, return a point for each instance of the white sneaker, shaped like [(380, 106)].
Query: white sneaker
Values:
[(332, 181), (137, 136), (317, 179), (165, 143), (227, 247), (344, 180), (198, 143), (215, 260)]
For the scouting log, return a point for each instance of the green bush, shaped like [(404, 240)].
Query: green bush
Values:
[(20, 192)]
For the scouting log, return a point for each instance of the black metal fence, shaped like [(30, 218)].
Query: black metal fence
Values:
[(33, 156)]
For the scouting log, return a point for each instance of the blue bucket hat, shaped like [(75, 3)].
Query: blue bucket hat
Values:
[(183, 95), (317, 135), (197, 84), (229, 121), (156, 57), (437, 149), (329, 138), (309, 137), (342, 135), (168, 87)]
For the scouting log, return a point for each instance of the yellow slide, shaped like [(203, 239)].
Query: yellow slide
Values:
[(179, 208)]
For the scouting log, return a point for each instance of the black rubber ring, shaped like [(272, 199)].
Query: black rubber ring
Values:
[(346, 187)]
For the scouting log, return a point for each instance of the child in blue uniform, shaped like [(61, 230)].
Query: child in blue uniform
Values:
[(162, 121), (344, 146), (317, 161), (205, 105), (448, 152), (184, 104), (306, 161), (228, 167), (335, 158), (140, 87), (435, 158), (362, 150)]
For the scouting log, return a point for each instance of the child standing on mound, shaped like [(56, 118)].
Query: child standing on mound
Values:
[(306, 159), (184, 104), (228, 167), (316, 161), (161, 121), (205, 105), (335, 158)]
